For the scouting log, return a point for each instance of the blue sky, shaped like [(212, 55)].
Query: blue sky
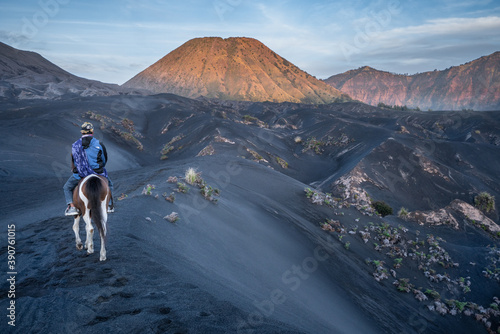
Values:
[(113, 40)]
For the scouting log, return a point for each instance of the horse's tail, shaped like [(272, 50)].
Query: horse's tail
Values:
[(95, 187)]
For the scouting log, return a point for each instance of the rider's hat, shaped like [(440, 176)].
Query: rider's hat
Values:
[(87, 128)]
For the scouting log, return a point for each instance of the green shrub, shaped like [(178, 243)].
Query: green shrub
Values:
[(208, 192), (433, 293), (282, 163), (382, 208), (314, 145), (485, 202), (250, 119), (148, 189), (166, 150), (256, 155), (182, 187), (402, 212), (191, 176)]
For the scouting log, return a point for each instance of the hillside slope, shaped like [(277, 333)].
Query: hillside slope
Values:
[(267, 256)]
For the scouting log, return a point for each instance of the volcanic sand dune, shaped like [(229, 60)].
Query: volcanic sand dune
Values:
[(257, 260)]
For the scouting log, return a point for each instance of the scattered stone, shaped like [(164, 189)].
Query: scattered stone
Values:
[(173, 217)]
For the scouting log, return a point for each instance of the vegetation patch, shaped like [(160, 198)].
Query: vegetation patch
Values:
[(173, 217), (208, 150), (170, 198), (403, 213), (397, 107), (485, 202), (166, 150), (169, 147), (148, 190), (209, 193), (250, 119), (182, 188), (282, 163), (172, 179), (128, 137), (256, 155), (382, 208), (192, 177), (128, 124), (312, 144)]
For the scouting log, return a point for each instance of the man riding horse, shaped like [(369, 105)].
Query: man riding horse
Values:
[(88, 156)]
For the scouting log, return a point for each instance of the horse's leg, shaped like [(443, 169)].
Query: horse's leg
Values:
[(76, 229), (104, 212), (102, 256), (89, 243)]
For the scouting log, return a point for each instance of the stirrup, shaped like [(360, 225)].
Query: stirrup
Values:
[(71, 211)]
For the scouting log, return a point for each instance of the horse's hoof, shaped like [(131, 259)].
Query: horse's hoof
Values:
[(90, 251), (79, 246), (102, 258)]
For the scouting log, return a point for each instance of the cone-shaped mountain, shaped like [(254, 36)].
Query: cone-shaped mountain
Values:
[(232, 69)]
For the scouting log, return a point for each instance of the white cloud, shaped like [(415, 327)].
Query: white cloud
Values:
[(449, 26)]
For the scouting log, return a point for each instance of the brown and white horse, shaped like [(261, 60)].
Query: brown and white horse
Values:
[(91, 198)]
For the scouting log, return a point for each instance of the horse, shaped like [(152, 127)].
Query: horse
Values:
[(91, 198)]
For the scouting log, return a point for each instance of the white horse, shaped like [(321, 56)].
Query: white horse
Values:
[(91, 198)]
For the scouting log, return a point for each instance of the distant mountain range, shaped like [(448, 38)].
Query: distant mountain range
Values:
[(474, 85), (244, 69), (28, 75), (232, 69)]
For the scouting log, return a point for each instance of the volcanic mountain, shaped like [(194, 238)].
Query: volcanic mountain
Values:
[(28, 75), (232, 69), (474, 85)]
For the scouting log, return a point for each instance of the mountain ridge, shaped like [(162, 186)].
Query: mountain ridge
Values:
[(235, 68), (473, 85), (28, 75)]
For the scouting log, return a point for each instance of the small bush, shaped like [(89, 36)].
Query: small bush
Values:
[(382, 208), (314, 145), (402, 212), (166, 150), (148, 189), (208, 150), (256, 155), (208, 193), (191, 176), (433, 293), (282, 162), (170, 198), (250, 119), (173, 217), (404, 285), (128, 124), (122, 197), (172, 179), (182, 188), (485, 202)]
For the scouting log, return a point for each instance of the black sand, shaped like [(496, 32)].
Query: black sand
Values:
[(257, 261)]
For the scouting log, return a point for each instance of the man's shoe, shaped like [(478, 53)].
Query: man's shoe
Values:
[(71, 211), (111, 209)]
